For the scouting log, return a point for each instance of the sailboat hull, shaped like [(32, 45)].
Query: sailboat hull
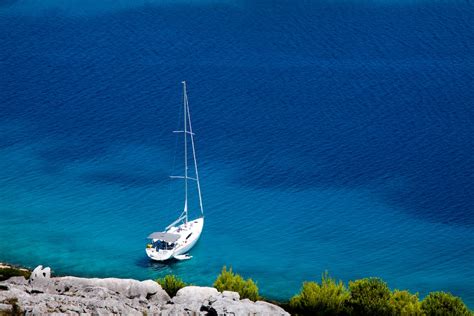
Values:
[(189, 235), (193, 239)]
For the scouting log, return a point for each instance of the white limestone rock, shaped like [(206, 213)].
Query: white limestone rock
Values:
[(231, 295), (17, 280), (42, 295), (226, 306), (272, 309), (192, 300), (40, 278), (5, 308), (195, 293), (125, 287)]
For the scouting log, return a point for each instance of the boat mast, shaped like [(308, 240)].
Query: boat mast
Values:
[(185, 106), (187, 120), (194, 158)]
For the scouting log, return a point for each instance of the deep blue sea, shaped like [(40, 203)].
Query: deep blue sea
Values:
[(331, 135)]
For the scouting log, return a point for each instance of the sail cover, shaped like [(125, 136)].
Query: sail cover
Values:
[(164, 236)]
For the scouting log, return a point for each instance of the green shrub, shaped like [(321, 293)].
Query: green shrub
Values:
[(441, 303), (329, 298), (171, 284), (406, 304), (370, 296), (6, 273), (229, 281)]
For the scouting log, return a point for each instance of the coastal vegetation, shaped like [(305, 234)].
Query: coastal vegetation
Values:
[(445, 303), (328, 298), (171, 284), (405, 303), (7, 271), (368, 296), (229, 281)]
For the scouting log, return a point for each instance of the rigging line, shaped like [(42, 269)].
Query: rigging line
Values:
[(185, 121), (194, 156)]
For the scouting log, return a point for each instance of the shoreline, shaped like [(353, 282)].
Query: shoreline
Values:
[(11, 265), (281, 306), (6, 265), (8, 270), (41, 293)]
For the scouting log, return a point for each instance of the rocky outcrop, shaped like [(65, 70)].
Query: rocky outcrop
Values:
[(41, 294)]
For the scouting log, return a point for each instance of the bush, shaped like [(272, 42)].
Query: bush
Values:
[(441, 303), (8, 272), (171, 284), (329, 298), (405, 303), (228, 281), (370, 296)]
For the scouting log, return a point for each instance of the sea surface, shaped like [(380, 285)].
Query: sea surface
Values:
[(330, 135)]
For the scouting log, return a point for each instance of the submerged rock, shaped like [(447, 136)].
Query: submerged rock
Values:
[(42, 294)]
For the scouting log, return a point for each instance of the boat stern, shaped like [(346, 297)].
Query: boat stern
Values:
[(158, 255)]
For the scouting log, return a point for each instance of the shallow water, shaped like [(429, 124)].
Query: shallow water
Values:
[(330, 136)]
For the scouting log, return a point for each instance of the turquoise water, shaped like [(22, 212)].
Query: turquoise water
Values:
[(330, 136)]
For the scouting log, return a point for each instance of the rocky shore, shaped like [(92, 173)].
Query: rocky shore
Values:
[(42, 294)]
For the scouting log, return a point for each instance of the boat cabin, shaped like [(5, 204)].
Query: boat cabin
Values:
[(163, 245), (163, 241)]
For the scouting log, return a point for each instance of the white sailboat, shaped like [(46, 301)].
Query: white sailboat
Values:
[(182, 234)]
